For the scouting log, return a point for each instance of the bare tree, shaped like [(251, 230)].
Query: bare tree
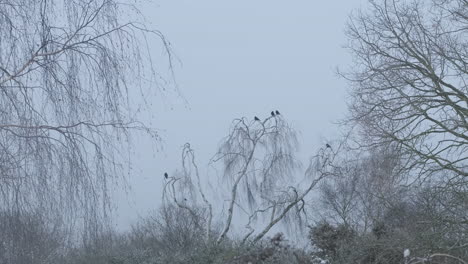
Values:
[(362, 186), (339, 196), (365, 194), (67, 69), (258, 162), (181, 191), (258, 156), (409, 81)]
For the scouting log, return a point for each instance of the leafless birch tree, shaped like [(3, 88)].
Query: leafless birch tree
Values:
[(66, 71), (258, 163)]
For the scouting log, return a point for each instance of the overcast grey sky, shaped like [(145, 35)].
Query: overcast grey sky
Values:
[(241, 58)]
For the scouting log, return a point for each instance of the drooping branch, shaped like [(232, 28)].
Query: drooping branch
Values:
[(189, 153)]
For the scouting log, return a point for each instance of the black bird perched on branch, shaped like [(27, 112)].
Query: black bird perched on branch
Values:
[(256, 118), (165, 175), (272, 113), (277, 112), (327, 145)]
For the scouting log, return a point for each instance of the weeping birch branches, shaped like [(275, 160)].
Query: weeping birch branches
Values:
[(260, 169), (66, 71)]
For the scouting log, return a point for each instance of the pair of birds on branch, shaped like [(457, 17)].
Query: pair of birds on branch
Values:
[(273, 113)]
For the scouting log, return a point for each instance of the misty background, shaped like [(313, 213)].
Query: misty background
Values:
[(235, 59)]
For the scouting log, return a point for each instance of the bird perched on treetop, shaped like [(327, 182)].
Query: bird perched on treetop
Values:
[(327, 145), (272, 113), (277, 112), (256, 118), (165, 175)]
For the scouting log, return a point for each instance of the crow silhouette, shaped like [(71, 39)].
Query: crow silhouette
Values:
[(277, 112), (272, 113), (165, 175), (327, 145), (257, 119)]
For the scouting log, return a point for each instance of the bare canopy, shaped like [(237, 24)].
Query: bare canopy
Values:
[(65, 69), (409, 81)]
